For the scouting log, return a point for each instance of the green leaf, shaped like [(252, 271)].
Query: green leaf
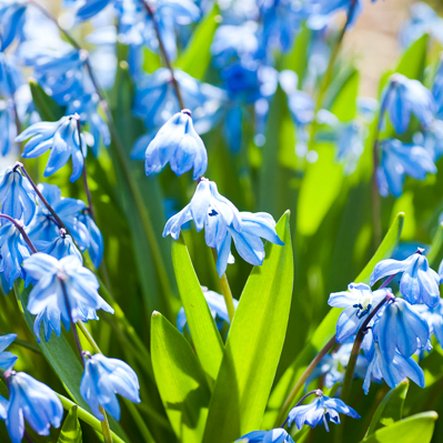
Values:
[(390, 408), (344, 105), (297, 58), (71, 432), (385, 249), (48, 109), (196, 57), (204, 333), (321, 184), (413, 61), (254, 345), (417, 428), (181, 380), (436, 250)]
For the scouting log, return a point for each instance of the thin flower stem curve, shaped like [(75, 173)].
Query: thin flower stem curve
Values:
[(19, 225), (150, 10), (226, 291), (302, 380)]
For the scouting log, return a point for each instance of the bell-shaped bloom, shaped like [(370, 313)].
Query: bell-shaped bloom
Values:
[(61, 246), (11, 22), (405, 97), (17, 198), (400, 329), (13, 250), (321, 410), (419, 283), (277, 435), (392, 371), (178, 144), (217, 306), (63, 141), (223, 223), (358, 302), (433, 317), (7, 359), (64, 291), (32, 401), (399, 160), (102, 379)]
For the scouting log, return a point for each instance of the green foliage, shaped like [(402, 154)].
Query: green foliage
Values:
[(71, 432)]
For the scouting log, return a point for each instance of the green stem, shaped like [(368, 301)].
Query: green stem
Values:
[(89, 337), (147, 436), (226, 291), (106, 430), (302, 380)]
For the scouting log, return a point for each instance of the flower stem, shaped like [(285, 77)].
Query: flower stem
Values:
[(375, 195), (89, 337), (357, 345), (106, 430), (150, 10), (19, 226), (226, 291), (327, 77), (302, 380)]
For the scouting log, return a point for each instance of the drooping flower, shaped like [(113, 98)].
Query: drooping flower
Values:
[(358, 302), (405, 97), (32, 401), (17, 198), (277, 435), (11, 22), (7, 359), (433, 317), (321, 410), (61, 246), (419, 283), (392, 371), (399, 160), (400, 329), (102, 379), (62, 139), (177, 143), (223, 223), (64, 291)]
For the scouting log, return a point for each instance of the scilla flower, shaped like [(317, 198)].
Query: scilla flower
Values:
[(405, 97), (321, 410), (177, 143), (223, 223), (64, 291), (358, 302), (32, 401), (62, 139), (102, 379), (7, 359), (418, 284), (277, 435)]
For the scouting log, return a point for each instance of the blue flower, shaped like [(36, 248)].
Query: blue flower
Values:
[(322, 9), (418, 284), (89, 8), (223, 223), (177, 143), (405, 97), (7, 359), (64, 290), (399, 160), (217, 306), (8, 128), (32, 401), (102, 379), (358, 302), (11, 22), (61, 246), (392, 371), (62, 139), (322, 409), (13, 250), (400, 329), (277, 435), (433, 317), (17, 196)]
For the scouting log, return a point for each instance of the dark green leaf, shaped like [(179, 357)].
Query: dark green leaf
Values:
[(48, 109)]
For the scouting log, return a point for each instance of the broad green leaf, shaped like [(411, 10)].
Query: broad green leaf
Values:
[(417, 428), (297, 58), (385, 249), (181, 380), (196, 57), (204, 333), (436, 251), (48, 109), (253, 346), (413, 61), (344, 105), (390, 408), (319, 189), (71, 432)]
